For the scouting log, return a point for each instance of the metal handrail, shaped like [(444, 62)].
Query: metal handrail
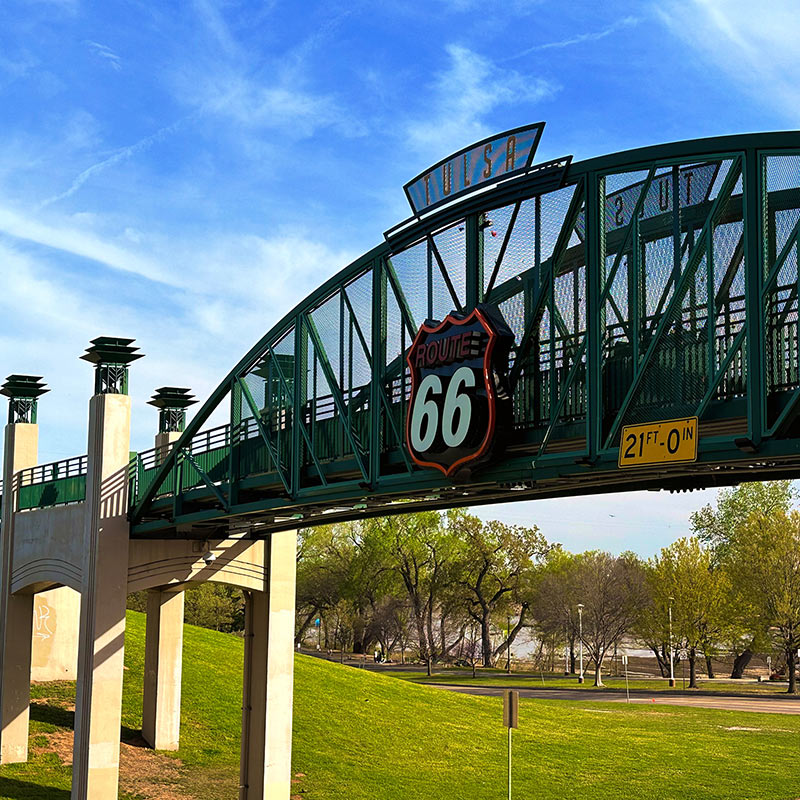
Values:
[(56, 470)]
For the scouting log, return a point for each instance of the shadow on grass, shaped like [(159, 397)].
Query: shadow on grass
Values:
[(53, 715), (21, 790)]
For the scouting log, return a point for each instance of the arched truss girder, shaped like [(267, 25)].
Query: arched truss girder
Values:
[(656, 283)]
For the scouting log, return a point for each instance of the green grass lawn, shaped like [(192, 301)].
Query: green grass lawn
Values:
[(366, 736)]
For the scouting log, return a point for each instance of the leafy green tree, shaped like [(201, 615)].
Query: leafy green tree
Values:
[(719, 527), (765, 567), (683, 575), (495, 565), (612, 590), (215, 606), (423, 553), (553, 600), (322, 557)]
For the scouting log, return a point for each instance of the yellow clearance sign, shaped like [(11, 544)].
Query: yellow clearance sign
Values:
[(666, 442)]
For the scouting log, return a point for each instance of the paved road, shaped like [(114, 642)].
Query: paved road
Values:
[(763, 704)]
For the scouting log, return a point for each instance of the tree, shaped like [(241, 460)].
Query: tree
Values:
[(495, 562), (720, 528), (683, 575), (553, 600), (215, 606), (652, 625), (612, 590), (765, 567), (321, 573), (424, 554)]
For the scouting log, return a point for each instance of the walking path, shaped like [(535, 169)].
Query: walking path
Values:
[(772, 705)]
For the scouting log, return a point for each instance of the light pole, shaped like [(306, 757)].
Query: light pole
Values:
[(671, 657), (508, 649), (566, 650), (580, 636)]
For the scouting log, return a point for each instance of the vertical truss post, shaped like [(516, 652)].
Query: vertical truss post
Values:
[(233, 436), (634, 266), (754, 225), (595, 313), (531, 292), (378, 347), (299, 398), (474, 254)]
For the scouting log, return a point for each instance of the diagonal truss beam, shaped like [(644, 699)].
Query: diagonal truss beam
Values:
[(444, 273), (543, 290), (677, 296), (399, 295), (205, 478), (297, 416), (265, 434), (338, 399), (501, 254), (382, 394), (792, 240)]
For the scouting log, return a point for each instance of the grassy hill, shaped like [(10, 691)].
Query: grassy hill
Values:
[(362, 736)]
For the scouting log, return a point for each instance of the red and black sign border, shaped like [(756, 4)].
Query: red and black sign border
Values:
[(488, 380)]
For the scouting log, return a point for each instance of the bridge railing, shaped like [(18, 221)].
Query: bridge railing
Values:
[(57, 483)]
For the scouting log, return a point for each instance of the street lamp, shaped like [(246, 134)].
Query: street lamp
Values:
[(580, 636), (671, 657), (566, 648), (508, 649)]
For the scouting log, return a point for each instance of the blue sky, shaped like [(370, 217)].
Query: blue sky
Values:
[(183, 173)]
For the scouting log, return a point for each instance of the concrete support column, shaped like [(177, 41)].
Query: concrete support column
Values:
[(164, 442), (98, 707), (266, 760), (16, 611), (57, 616), (163, 661)]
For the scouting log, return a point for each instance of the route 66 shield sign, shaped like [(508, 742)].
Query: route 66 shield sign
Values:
[(460, 405)]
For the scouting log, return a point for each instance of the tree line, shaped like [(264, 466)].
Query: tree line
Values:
[(453, 588)]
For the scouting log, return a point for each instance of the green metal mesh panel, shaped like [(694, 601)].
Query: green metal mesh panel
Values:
[(781, 302), (396, 382), (513, 311), (412, 271), (520, 252), (733, 382), (676, 376), (359, 293), (554, 209), (451, 244)]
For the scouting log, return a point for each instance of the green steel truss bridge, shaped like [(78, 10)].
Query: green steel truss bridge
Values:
[(647, 285)]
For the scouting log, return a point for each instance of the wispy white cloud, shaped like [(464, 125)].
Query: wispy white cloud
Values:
[(120, 155), (213, 21), (581, 38), (464, 93), (755, 46), (258, 105), (69, 237), (106, 54), (259, 93)]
